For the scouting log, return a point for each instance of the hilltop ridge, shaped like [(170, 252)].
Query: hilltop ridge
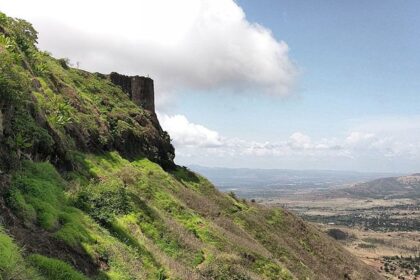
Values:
[(89, 188)]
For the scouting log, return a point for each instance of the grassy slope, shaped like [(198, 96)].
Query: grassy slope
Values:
[(106, 217)]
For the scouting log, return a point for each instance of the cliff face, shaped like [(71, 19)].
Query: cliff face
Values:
[(51, 111)]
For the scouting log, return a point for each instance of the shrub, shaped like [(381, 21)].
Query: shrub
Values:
[(104, 201), (366, 245), (337, 234), (64, 62)]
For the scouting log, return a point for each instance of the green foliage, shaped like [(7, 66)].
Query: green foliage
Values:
[(53, 269), (103, 201), (12, 265), (187, 177), (10, 259), (131, 217), (57, 109), (27, 134), (74, 230), (7, 42), (24, 134), (37, 186), (276, 217), (3, 18), (13, 80), (64, 62), (21, 142), (199, 258), (23, 33), (18, 202), (37, 194), (272, 271)]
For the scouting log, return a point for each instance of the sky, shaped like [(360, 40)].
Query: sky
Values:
[(262, 84)]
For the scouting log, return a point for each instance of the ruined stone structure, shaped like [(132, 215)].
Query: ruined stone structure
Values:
[(140, 89)]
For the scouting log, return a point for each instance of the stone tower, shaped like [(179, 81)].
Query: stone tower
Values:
[(140, 89), (143, 93)]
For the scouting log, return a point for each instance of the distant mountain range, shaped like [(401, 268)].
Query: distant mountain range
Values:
[(390, 187), (247, 182)]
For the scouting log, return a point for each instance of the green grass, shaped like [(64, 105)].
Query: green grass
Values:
[(37, 196), (40, 188), (53, 269), (132, 203), (119, 208), (12, 264), (272, 270)]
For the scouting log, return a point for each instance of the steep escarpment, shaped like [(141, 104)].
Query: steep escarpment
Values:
[(89, 189), (50, 110)]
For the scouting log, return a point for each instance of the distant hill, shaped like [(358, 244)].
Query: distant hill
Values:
[(251, 183), (391, 187)]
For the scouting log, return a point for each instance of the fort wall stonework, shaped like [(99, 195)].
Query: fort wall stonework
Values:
[(140, 89)]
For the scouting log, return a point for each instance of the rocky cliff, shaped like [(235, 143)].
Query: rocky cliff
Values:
[(52, 111)]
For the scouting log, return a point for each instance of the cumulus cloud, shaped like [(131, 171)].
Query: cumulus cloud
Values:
[(380, 148), (187, 134), (185, 44)]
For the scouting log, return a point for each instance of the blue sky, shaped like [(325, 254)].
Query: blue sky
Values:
[(264, 84), (358, 59)]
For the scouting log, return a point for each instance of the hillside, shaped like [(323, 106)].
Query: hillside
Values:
[(391, 187), (89, 190)]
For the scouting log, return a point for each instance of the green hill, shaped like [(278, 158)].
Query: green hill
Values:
[(89, 190)]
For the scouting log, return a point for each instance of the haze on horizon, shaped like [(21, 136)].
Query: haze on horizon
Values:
[(260, 84)]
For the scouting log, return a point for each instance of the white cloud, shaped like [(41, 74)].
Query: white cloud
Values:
[(356, 149), (187, 134), (360, 139), (300, 141), (185, 44)]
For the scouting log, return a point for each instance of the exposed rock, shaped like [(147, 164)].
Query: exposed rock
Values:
[(156, 144), (36, 84)]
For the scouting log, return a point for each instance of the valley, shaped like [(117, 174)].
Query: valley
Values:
[(378, 220), (383, 233)]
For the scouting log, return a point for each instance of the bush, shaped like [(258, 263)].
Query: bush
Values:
[(103, 202), (366, 245), (337, 234), (64, 62)]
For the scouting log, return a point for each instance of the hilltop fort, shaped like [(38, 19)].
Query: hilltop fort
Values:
[(140, 89)]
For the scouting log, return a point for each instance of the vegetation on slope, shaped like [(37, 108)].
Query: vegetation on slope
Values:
[(88, 187)]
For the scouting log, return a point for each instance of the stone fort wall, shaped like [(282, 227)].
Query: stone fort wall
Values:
[(140, 89)]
